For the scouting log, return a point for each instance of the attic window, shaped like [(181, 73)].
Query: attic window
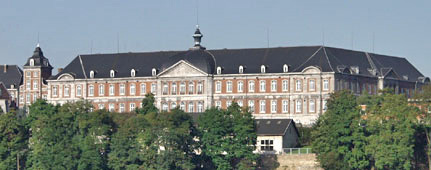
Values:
[(279, 122), (153, 72), (112, 74), (268, 122), (355, 69), (262, 69), (285, 68), (241, 69), (218, 70), (91, 74), (133, 73), (31, 62), (406, 77)]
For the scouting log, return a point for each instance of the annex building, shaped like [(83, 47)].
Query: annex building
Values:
[(274, 83)]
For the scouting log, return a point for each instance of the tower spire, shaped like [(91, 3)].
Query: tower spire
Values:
[(197, 36)]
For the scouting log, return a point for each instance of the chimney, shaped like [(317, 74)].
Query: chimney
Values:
[(60, 70), (5, 68)]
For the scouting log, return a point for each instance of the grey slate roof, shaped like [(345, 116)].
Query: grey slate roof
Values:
[(328, 59), (39, 59), (13, 75), (273, 127)]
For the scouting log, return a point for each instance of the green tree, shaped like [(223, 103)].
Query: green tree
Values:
[(423, 100), (148, 105), (228, 137), (338, 139), (13, 141)]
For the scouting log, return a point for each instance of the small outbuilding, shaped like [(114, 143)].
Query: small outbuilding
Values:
[(275, 134)]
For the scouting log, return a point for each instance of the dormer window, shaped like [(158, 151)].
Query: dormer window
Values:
[(219, 70), (263, 69), (241, 69), (285, 68), (91, 74), (112, 74), (31, 62), (153, 72), (133, 73)]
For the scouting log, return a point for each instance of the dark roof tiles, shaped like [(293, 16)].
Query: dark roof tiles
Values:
[(12, 75)]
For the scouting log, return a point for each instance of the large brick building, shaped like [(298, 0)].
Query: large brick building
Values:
[(283, 82)]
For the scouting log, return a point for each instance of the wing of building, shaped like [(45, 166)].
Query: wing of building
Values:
[(283, 82)]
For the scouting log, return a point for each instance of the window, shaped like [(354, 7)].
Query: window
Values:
[(251, 105), (229, 86), (174, 88), (101, 90), (78, 90), (28, 74), (325, 85), (143, 88), (285, 68), (112, 74), (200, 107), (111, 89), (31, 62), (312, 106), (66, 91), (122, 89), (27, 98), (218, 87), (111, 107), (285, 85), (262, 106), (91, 90), (122, 108), (274, 85), (274, 106), (91, 74), (35, 74), (28, 85), (183, 88), (324, 105), (132, 73), (240, 103), (241, 69), (285, 107), (183, 106), (34, 97), (35, 82), (132, 89), (299, 106), (191, 107), (153, 88), (266, 145), (228, 103), (191, 87), (218, 104), (153, 72), (262, 85), (369, 89), (312, 85), (218, 70), (54, 91), (165, 88), (200, 88), (262, 69), (173, 105), (251, 86), (240, 86), (298, 85), (165, 106), (101, 106), (132, 107)]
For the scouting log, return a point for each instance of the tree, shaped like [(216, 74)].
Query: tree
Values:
[(338, 139), (148, 105), (228, 137), (13, 141)]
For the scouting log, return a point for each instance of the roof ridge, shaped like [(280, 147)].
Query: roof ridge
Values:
[(327, 58), (82, 67), (309, 58)]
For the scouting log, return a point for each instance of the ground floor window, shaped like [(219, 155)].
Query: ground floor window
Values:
[(266, 145)]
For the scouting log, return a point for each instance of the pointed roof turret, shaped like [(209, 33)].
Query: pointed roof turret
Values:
[(38, 59)]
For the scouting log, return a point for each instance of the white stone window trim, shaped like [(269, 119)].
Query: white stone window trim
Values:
[(241, 69), (112, 73), (262, 69), (132, 73)]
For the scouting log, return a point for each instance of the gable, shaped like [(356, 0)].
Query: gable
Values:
[(182, 69)]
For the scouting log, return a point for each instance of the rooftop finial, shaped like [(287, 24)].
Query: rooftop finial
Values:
[(197, 36), (37, 45)]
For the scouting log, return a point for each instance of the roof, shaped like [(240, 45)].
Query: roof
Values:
[(4, 94), (328, 59), (273, 127), (38, 58), (13, 75)]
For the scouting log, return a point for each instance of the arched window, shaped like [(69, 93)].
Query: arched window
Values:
[(133, 73), (112, 74), (262, 69), (200, 107), (285, 68), (241, 69), (219, 70), (91, 74), (153, 72), (173, 105), (165, 106), (191, 107), (31, 62), (183, 106)]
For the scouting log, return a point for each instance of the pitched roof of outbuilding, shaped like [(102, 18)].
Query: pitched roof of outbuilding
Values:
[(273, 127), (328, 59), (13, 75)]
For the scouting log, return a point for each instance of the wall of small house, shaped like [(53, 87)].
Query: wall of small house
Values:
[(278, 142), (291, 138)]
